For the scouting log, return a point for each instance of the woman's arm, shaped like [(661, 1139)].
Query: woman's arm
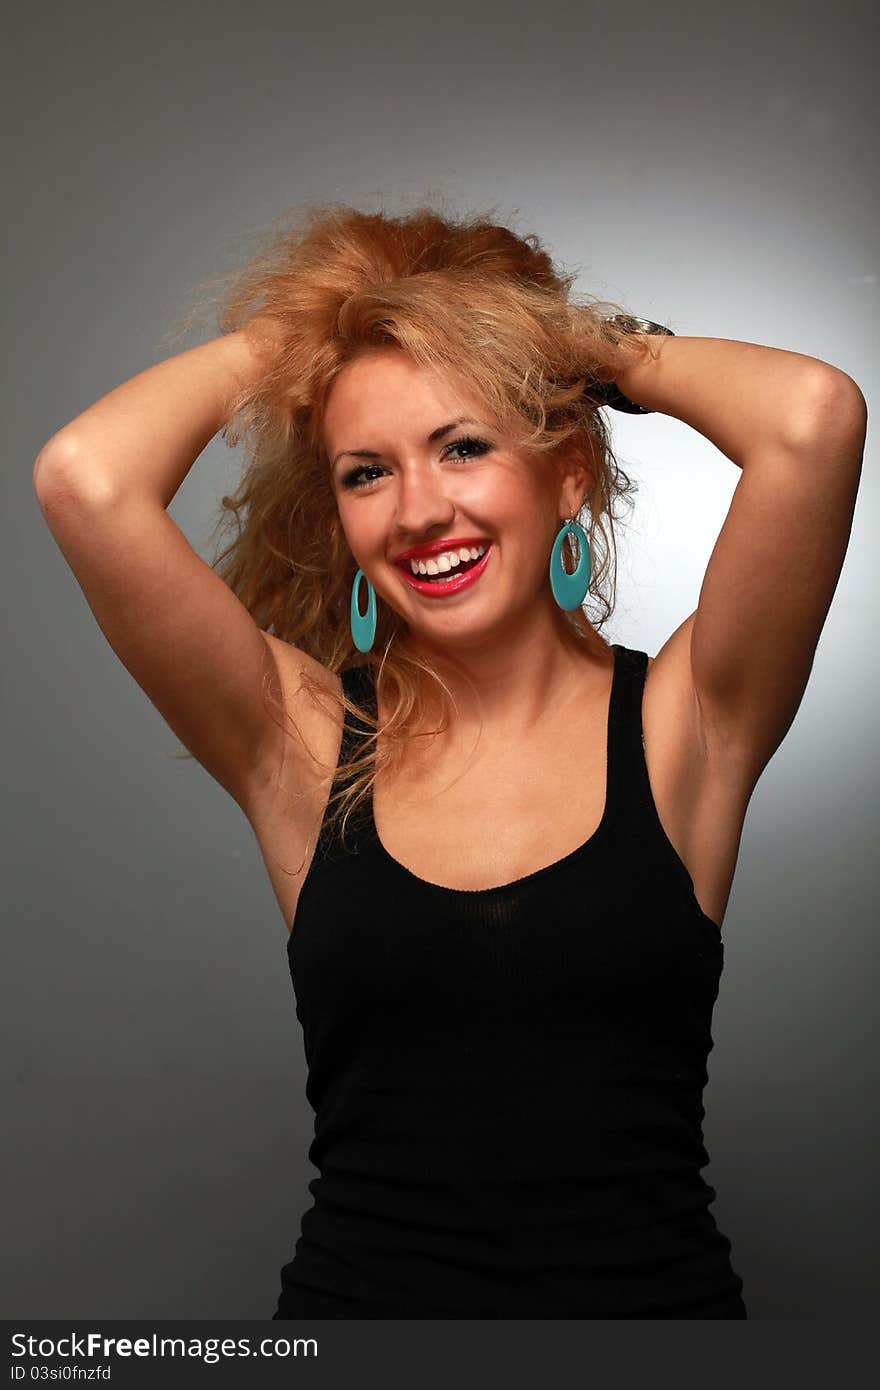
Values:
[(796, 427), (103, 484), (144, 436), (738, 395)]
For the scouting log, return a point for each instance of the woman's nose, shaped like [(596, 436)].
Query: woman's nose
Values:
[(421, 503)]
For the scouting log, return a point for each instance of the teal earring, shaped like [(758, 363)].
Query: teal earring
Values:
[(569, 590), (363, 625)]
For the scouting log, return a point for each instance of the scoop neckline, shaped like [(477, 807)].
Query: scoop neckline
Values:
[(444, 890)]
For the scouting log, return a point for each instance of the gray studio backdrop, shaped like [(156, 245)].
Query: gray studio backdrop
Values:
[(713, 168)]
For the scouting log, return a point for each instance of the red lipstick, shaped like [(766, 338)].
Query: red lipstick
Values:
[(440, 588)]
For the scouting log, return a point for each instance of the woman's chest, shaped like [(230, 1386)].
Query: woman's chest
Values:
[(510, 810), (479, 823)]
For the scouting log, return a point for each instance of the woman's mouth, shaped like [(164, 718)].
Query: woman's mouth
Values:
[(461, 576)]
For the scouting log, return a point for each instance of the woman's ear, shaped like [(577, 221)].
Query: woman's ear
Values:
[(576, 481)]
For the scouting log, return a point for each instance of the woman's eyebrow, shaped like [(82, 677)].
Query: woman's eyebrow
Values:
[(432, 439)]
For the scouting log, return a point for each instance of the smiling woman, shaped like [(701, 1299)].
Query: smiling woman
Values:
[(359, 314), (515, 840)]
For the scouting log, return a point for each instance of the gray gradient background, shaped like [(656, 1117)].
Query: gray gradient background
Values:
[(714, 169)]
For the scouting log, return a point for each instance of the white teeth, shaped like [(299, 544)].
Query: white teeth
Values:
[(439, 564)]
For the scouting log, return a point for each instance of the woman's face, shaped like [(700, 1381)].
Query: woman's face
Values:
[(465, 487)]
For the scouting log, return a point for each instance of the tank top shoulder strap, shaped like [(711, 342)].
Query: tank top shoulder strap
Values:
[(358, 684), (629, 789)]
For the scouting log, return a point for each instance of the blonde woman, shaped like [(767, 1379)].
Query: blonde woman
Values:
[(504, 846)]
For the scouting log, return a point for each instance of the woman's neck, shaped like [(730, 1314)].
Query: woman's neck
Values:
[(509, 686)]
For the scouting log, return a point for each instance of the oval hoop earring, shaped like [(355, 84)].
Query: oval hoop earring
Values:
[(363, 625), (570, 590)]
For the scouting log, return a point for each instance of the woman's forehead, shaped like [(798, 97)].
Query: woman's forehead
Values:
[(386, 391), (370, 374)]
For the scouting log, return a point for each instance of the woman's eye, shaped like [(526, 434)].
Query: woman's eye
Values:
[(467, 442), (358, 478)]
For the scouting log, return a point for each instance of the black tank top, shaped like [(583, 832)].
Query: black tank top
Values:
[(507, 1083)]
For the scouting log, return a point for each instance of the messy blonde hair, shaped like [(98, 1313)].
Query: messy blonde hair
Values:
[(463, 296)]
